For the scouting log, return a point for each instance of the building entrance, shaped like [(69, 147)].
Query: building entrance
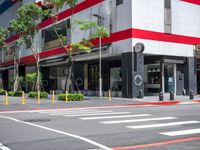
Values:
[(169, 78)]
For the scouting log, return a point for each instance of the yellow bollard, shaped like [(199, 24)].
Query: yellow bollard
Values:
[(6, 100), (23, 100), (38, 100), (53, 97), (66, 96), (109, 95)]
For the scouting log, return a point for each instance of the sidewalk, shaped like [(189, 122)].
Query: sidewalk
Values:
[(31, 104)]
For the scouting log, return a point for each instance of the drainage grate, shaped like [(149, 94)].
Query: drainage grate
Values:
[(37, 120)]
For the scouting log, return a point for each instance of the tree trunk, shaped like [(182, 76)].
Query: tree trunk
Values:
[(69, 83), (16, 82), (38, 88)]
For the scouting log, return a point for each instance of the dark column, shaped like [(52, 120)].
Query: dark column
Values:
[(45, 75), (22, 71), (179, 79), (5, 79), (132, 74), (79, 76), (190, 76)]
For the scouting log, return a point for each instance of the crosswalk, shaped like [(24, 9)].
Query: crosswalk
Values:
[(131, 121)]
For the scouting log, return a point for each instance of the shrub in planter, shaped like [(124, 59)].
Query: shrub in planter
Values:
[(11, 93), (2, 92), (35, 94), (71, 97), (17, 93)]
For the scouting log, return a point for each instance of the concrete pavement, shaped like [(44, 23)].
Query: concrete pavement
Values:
[(117, 128)]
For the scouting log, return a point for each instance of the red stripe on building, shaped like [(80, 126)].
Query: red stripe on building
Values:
[(196, 2), (62, 15), (118, 36), (67, 13), (159, 36)]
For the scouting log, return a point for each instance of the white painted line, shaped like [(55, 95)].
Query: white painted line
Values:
[(162, 124), (187, 103), (181, 132), (120, 116), (137, 120), (61, 132), (97, 114), (66, 111), (2, 147), (88, 112)]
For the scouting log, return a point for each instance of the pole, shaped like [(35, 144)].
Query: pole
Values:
[(100, 78), (38, 100), (23, 100), (109, 95), (53, 97), (66, 96), (6, 98)]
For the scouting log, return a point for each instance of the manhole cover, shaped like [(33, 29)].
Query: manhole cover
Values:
[(37, 120)]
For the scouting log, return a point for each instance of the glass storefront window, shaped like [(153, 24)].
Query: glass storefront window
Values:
[(169, 78), (152, 79), (93, 77), (115, 79), (50, 38)]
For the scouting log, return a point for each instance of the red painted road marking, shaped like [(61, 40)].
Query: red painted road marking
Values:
[(157, 144)]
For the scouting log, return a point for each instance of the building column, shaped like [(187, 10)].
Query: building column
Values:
[(132, 74), (190, 76)]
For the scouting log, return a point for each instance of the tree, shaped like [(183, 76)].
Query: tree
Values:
[(85, 25), (3, 36), (26, 24)]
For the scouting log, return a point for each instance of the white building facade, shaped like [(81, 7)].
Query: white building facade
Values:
[(168, 29)]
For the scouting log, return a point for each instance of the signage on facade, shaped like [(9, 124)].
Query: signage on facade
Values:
[(139, 47), (138, 80)]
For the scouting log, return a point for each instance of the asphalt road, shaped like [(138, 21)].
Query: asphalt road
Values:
[(125, 127)]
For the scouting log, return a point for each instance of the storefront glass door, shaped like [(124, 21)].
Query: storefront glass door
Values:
[(169, 78)]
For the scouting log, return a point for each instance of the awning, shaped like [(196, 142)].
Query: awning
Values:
[(6, 68)]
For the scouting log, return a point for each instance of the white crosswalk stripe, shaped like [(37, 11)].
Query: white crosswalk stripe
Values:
[(138, 120), (162, 124), (120, 116), (81, 112), (182, 132), (66, 111), (108, 116), (96, 114), (2, 147)]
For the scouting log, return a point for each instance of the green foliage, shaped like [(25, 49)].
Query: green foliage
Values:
[(2, 92), (31, 78), (3, 35), (28, 16), (85, 46), (11, 83), (35, 94), (85, 24), (59, 3), (22, 80), (100, 32), (71, 97), (17, 93)]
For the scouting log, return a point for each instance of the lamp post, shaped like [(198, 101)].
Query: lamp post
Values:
[(100, 18)]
